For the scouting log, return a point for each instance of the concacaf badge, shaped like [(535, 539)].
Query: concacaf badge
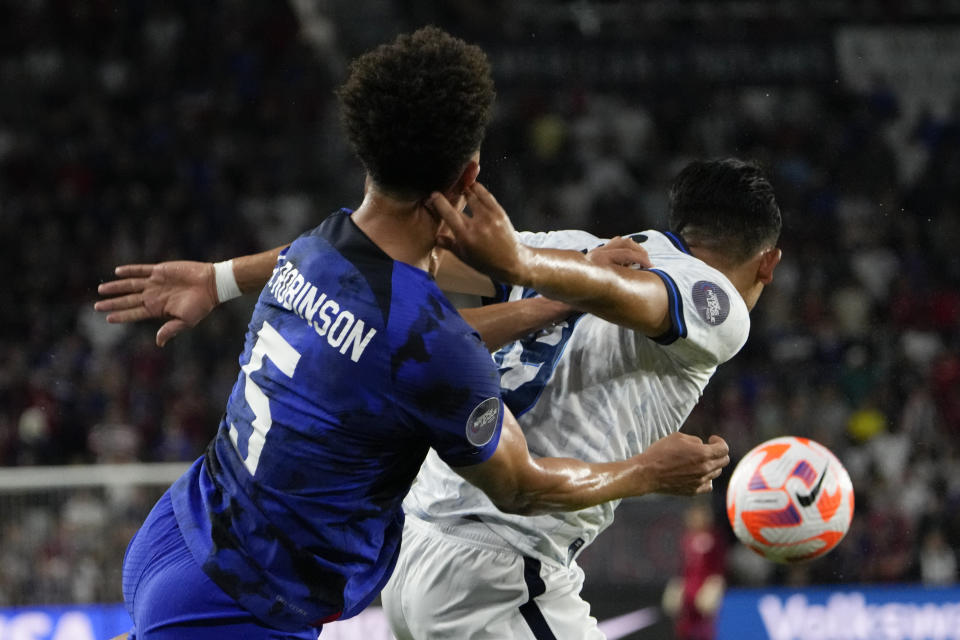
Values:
[(482, 423)]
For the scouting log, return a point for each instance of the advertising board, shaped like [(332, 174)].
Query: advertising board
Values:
[(848, 612)]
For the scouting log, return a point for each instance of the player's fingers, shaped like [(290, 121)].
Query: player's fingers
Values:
[(713, 464), (169, 330), (631, 250), (641, 256), (119, 287), (438, 203), (129, 315), (621, 257), (480, 194), (105, 305), (129, 301), (713, 475), (447, 242), (718, 446), (444, 238), (706, 487), (134, 270)]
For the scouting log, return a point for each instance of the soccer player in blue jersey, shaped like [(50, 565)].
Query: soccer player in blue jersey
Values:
[(355, 364)]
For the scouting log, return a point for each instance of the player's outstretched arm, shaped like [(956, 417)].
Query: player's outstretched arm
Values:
[(487, 241), (501, 323), (453, 275), (183, 292), (516, 482)]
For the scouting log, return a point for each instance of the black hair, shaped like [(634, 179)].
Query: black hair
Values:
[(727, 205), (416, 110)]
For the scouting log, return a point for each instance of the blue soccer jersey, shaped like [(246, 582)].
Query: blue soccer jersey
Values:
[(354, 365)]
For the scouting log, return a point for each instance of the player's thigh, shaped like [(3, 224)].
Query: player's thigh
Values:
[(446, 588), (553, 609), (171, 598), (564, 612)]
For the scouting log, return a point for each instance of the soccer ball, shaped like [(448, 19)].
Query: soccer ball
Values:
[(790, 499)]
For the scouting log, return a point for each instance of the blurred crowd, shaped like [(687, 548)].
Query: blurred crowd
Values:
[(135, 132)]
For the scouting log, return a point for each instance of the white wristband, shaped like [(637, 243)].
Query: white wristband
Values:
[(227, 288)]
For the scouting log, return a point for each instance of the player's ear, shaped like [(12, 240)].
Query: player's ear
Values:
[(769, 260), (456, 194), (469, 175)]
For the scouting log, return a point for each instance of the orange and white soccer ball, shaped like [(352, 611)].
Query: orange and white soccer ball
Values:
[(790, 499)]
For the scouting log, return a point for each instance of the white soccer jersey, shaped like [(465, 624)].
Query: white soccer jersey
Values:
[(589, 389)]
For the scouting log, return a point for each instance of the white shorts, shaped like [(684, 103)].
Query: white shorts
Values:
[(465, 586)]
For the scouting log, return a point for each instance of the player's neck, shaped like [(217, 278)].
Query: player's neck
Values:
[(403, 229), (742, 276)]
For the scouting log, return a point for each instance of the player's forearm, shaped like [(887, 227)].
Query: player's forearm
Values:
[(500, 324), (636, 300), (678, 464), (518, 483), (566, 484), (253, 271), (453, 275)]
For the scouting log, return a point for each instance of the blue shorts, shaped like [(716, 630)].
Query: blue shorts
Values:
[(170, 598)]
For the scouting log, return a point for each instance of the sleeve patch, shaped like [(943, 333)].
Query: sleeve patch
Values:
[(483, 421), (711, 301)]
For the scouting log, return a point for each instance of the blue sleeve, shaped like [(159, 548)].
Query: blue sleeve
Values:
[(501, 294), (451, 393)]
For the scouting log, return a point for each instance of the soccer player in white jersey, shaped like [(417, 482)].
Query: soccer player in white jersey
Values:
[(468, 570), (598, 388)]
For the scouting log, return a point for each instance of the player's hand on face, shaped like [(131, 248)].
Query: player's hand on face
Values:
[(484, 238), (681, 464), (621, 252), (181, 291)]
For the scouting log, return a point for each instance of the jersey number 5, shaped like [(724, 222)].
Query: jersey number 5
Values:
[(272, 345)]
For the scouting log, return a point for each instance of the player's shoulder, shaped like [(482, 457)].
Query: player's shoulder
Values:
[(658, 242), (709, 313), (338, 243), (420, 314), (671, 255), (711, 293)]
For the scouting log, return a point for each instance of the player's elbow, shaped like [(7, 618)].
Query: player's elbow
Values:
[(534, 490), (515, 501), (520, 508), (518, 496)]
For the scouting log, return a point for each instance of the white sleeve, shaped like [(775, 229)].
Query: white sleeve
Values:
[(709, 319), (568, 239)]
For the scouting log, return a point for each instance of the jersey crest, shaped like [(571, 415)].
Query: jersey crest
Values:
[(483, 421), (711, 301)]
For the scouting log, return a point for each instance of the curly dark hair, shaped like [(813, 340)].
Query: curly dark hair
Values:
[(416, 109), (727, 205)]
